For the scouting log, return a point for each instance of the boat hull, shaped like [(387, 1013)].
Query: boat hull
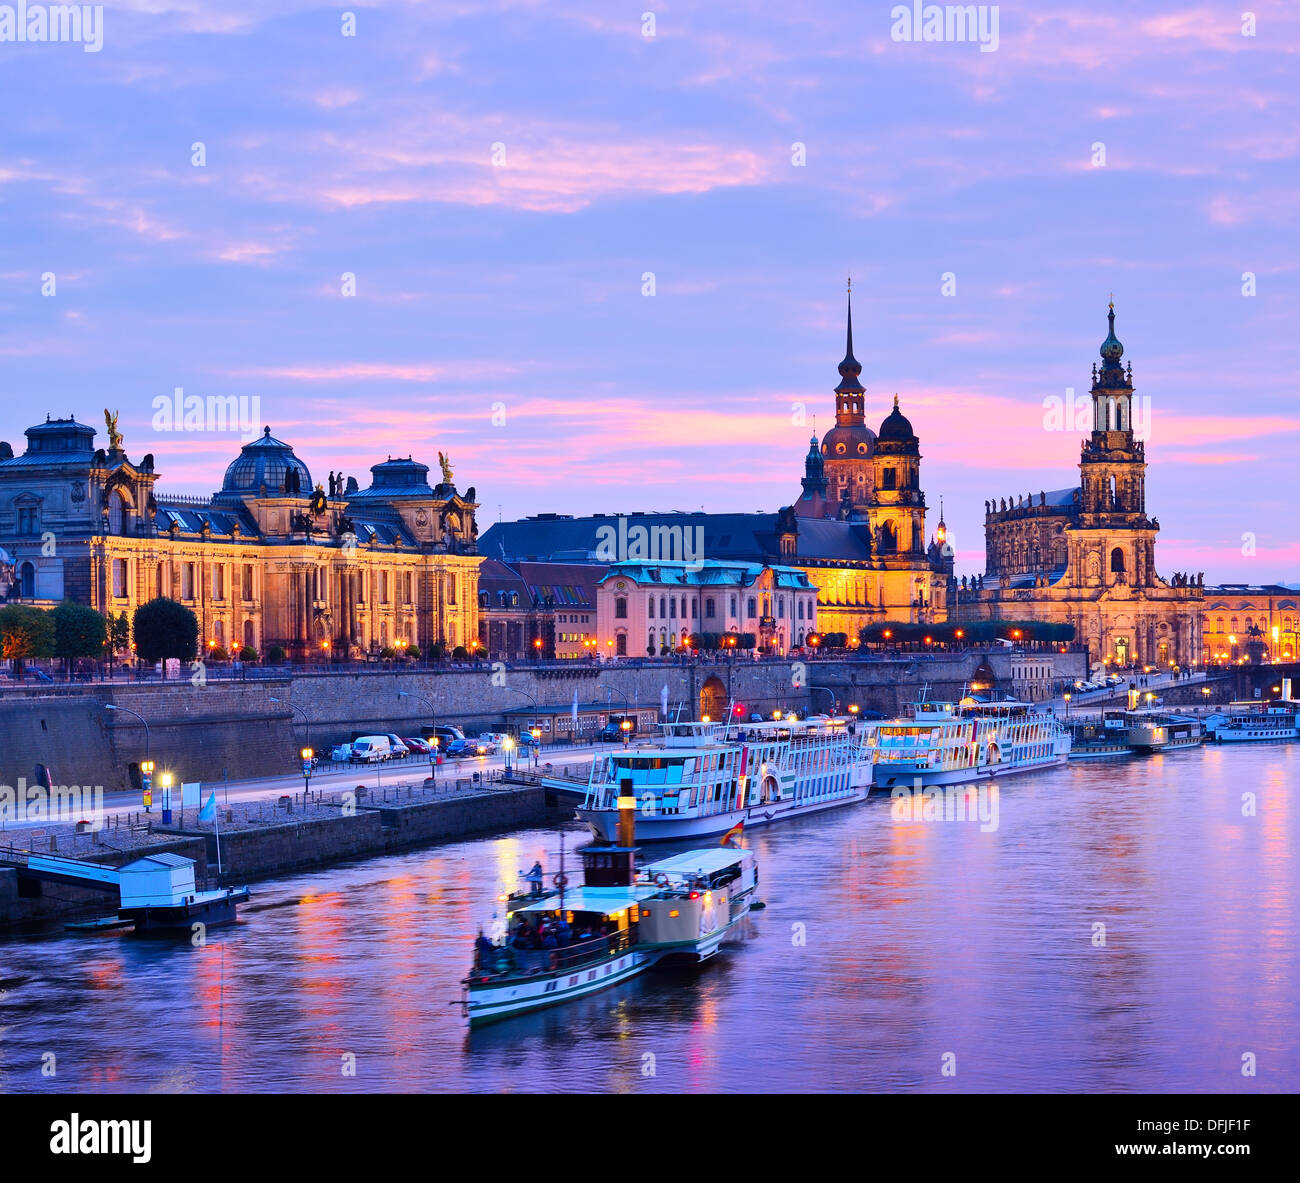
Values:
[(603, 823), (898, 774), (487, 1001)]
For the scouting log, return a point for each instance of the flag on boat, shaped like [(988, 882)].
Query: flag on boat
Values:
[(663, 700), (732, 836), (575, 711), (209, 812)]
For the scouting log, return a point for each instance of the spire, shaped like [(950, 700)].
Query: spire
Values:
[(850, 368), (1111, 349)]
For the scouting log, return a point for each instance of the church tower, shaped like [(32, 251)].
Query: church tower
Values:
[(847, 448), (897, 509), (1113, 527)]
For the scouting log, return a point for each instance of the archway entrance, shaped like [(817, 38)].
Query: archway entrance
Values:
[(1121, 651), (713, 698)]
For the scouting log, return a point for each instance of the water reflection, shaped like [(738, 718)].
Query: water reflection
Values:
[(1129, 926)]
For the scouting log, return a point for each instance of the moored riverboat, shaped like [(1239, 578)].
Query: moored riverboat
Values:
[(1254, 722), (945, 743), (700, 779)]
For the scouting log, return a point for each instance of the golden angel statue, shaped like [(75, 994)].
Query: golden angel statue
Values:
[(445, 463), (114, 436)]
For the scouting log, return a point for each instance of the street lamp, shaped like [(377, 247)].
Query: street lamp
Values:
[(1067, 704), (303, 713), (307, 754), (433, 743), (508, 743), (626, 728), (146, 784), (536, 733), (165, 780)]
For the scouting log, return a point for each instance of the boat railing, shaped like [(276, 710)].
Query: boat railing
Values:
[(508, 961)]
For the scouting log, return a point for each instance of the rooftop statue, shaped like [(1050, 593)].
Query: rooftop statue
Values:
[(114, 436), (444, 462)]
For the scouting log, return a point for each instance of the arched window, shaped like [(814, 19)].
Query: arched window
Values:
[(116, 514), (651, 605), (1117, 560)]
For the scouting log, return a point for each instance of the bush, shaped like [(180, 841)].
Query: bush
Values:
[(248, 653), (218, 653), (460, 653), (437, 651), (274, 655), (165, 629), (746, 641), (387, 653)]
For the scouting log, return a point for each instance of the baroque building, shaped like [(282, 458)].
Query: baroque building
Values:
[(270, 560), (1086, 555)]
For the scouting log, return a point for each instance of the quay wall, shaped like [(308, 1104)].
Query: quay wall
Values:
[(234, 730)]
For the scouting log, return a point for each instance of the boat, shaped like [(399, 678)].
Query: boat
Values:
[(1185, 731), (945, 743), (616, 925), (1140, 732), (1247, 722), (699, 779), (1092, 739)]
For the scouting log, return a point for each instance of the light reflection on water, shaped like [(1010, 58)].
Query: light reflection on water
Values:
[(919, 940)]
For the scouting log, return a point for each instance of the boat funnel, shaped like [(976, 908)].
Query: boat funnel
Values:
[(626, 813)]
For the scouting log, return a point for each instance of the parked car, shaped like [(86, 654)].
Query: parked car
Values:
[(370, 749), (341, 753), (399, 749), (458, 749), (446, 735), (485, 746), (420, 747)]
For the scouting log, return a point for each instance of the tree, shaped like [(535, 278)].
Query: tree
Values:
[(165, 629), (25, 632), (119, 633), (79, 631), (275, 655)]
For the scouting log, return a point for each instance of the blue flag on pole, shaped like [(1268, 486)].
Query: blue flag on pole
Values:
[(209, 812)]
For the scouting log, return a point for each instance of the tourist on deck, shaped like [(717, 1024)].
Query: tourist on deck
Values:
[(486, 951), (535, 877)]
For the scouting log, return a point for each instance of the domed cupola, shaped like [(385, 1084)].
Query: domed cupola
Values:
[(896, 428), (267, 467)]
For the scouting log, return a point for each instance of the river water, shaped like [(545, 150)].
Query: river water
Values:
[(890, 952)]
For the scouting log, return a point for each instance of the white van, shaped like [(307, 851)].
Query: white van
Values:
[(370, 749)]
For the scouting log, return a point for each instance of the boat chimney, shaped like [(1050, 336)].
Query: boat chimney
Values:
[(626, 814)]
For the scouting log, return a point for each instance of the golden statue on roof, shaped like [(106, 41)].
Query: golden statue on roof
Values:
[(445, 462), (114, 436)]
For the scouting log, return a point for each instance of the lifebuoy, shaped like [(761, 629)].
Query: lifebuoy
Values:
[(662, 880), (560, 880)]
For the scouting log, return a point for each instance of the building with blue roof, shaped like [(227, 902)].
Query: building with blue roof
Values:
[(272, 558)]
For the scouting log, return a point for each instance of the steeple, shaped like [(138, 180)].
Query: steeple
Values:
[(850, 393), (1111, 349)]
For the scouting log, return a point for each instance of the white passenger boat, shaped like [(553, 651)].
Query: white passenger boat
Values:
[(1249, 722), (707, 778), (566, 943), (947, 743)]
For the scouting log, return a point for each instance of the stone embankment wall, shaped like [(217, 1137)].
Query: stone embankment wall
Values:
[(233, 729)]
